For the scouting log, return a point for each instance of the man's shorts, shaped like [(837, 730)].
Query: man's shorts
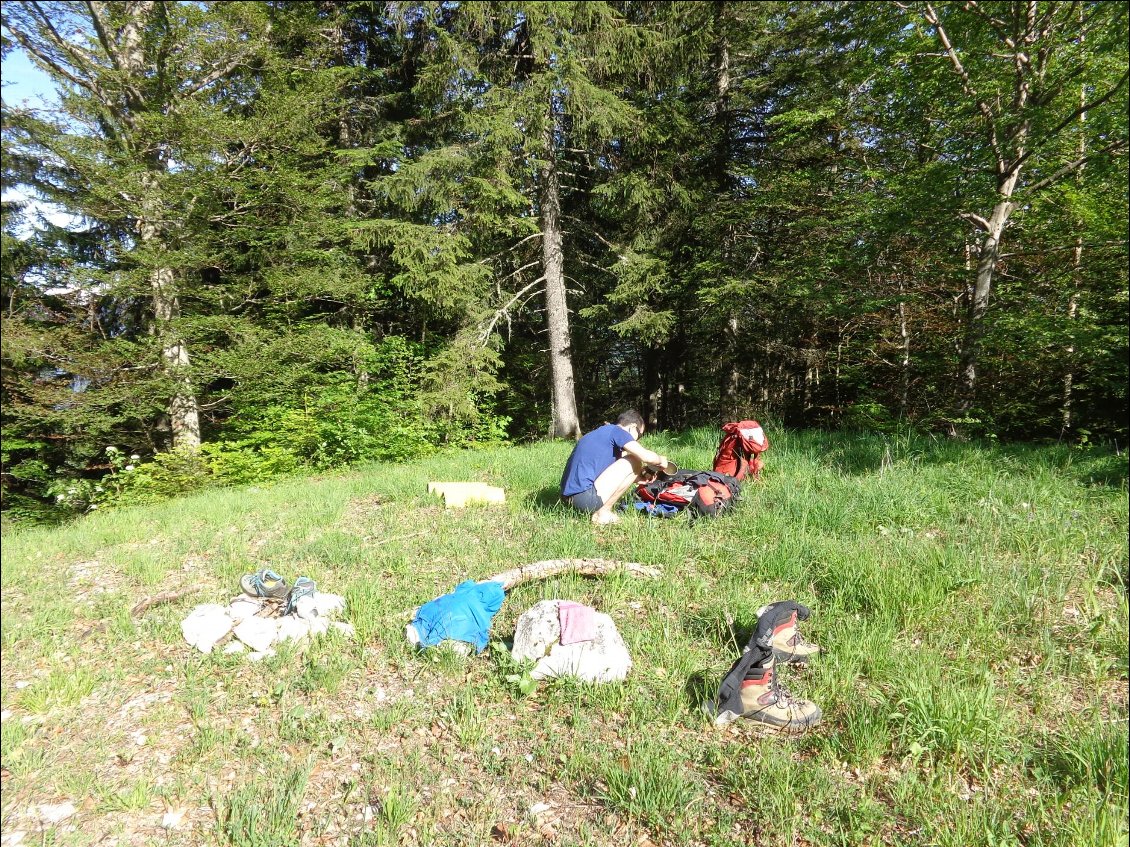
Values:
[(587, 501)]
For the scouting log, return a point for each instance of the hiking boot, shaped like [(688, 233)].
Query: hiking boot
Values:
[(789, 646), (766, 700), (265, 583)]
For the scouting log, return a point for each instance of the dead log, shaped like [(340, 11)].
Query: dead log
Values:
[(157, 600), (584, 567)]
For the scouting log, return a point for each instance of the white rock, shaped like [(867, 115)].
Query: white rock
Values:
[(603, 659), (260, 655), (412, 634), (243, 608), (463, 648), (538, 629), (206, 625), (172, 818), (328, 604), (234, 647), (319, 625), (11, 839), (345, 629), (306, 607), (57, 813), (293, 629), (258, 633)]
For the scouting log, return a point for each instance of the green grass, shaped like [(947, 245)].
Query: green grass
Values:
[(971, 603)]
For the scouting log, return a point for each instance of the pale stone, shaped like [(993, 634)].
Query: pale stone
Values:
[(11, 839), (206, 625), (234, 647), (172, 818), (293, 629), (56, 813), (538, 629), (345, 629), (242, 608), (260, 655), (319, 625), (412, 635), (257, 633), (603, 659), (328, 604), (306, 607), (458, 494)]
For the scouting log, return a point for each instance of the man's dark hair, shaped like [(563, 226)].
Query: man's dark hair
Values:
[(631, 417)]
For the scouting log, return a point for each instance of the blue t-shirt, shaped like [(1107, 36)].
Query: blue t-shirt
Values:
[(592, 457)]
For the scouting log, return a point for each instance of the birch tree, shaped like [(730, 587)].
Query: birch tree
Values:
[(1018, 67)]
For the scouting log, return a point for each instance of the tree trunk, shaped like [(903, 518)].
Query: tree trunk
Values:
[(904, 334), (184, 415), (565, 420), (1076, 287), (733, 402), (988, 256)]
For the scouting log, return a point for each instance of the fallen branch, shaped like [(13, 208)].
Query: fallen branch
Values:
[(157, 600), (584, 567)]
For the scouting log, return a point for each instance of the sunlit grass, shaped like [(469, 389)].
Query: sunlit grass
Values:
[(971, 603)]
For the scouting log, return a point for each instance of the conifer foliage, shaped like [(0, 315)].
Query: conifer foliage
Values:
[(288, 235)]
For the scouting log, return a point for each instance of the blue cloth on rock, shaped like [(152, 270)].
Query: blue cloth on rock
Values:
[(463, 615)]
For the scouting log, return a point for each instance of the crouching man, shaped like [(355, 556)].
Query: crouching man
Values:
[(604, 465)]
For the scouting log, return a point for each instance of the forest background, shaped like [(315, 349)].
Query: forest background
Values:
[(306, 234)]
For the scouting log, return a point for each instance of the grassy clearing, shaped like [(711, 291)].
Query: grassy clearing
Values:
[(972, 603)]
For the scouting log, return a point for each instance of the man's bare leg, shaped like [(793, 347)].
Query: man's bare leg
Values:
[(613, 484)]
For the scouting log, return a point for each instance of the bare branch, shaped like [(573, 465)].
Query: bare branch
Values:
[(504, 310), (966, 83), (95, 10), (218, 73), (1071, 118), (513, 246), (1053, 178), (979, 221), (996, 23)]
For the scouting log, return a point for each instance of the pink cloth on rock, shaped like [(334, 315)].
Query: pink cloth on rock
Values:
[(578, 622)]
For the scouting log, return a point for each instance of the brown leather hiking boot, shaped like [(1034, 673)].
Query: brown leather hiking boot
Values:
[(766, 700), (789, 646)]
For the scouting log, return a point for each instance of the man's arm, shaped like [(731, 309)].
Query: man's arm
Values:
[(648, 457)]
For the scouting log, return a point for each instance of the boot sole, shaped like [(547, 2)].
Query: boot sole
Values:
[(783, 658), (784, 728)]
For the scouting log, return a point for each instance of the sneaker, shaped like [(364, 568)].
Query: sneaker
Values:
[(303, 587), (265, 583)]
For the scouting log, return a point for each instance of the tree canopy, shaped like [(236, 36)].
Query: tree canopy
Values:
[(308, 234)]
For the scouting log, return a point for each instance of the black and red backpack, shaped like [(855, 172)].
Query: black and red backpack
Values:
[(702, 492), (739, 452)]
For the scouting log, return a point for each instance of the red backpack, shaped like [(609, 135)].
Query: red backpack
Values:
[(739, 452), (702, 492)]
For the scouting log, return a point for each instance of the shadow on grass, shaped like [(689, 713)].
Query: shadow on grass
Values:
[(546, 499), (713, 626), (700, 689)]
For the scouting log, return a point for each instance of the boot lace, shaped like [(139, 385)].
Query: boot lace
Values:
[(782, 693)]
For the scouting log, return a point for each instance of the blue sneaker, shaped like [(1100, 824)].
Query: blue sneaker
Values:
[(265, 583), (303, 587)]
